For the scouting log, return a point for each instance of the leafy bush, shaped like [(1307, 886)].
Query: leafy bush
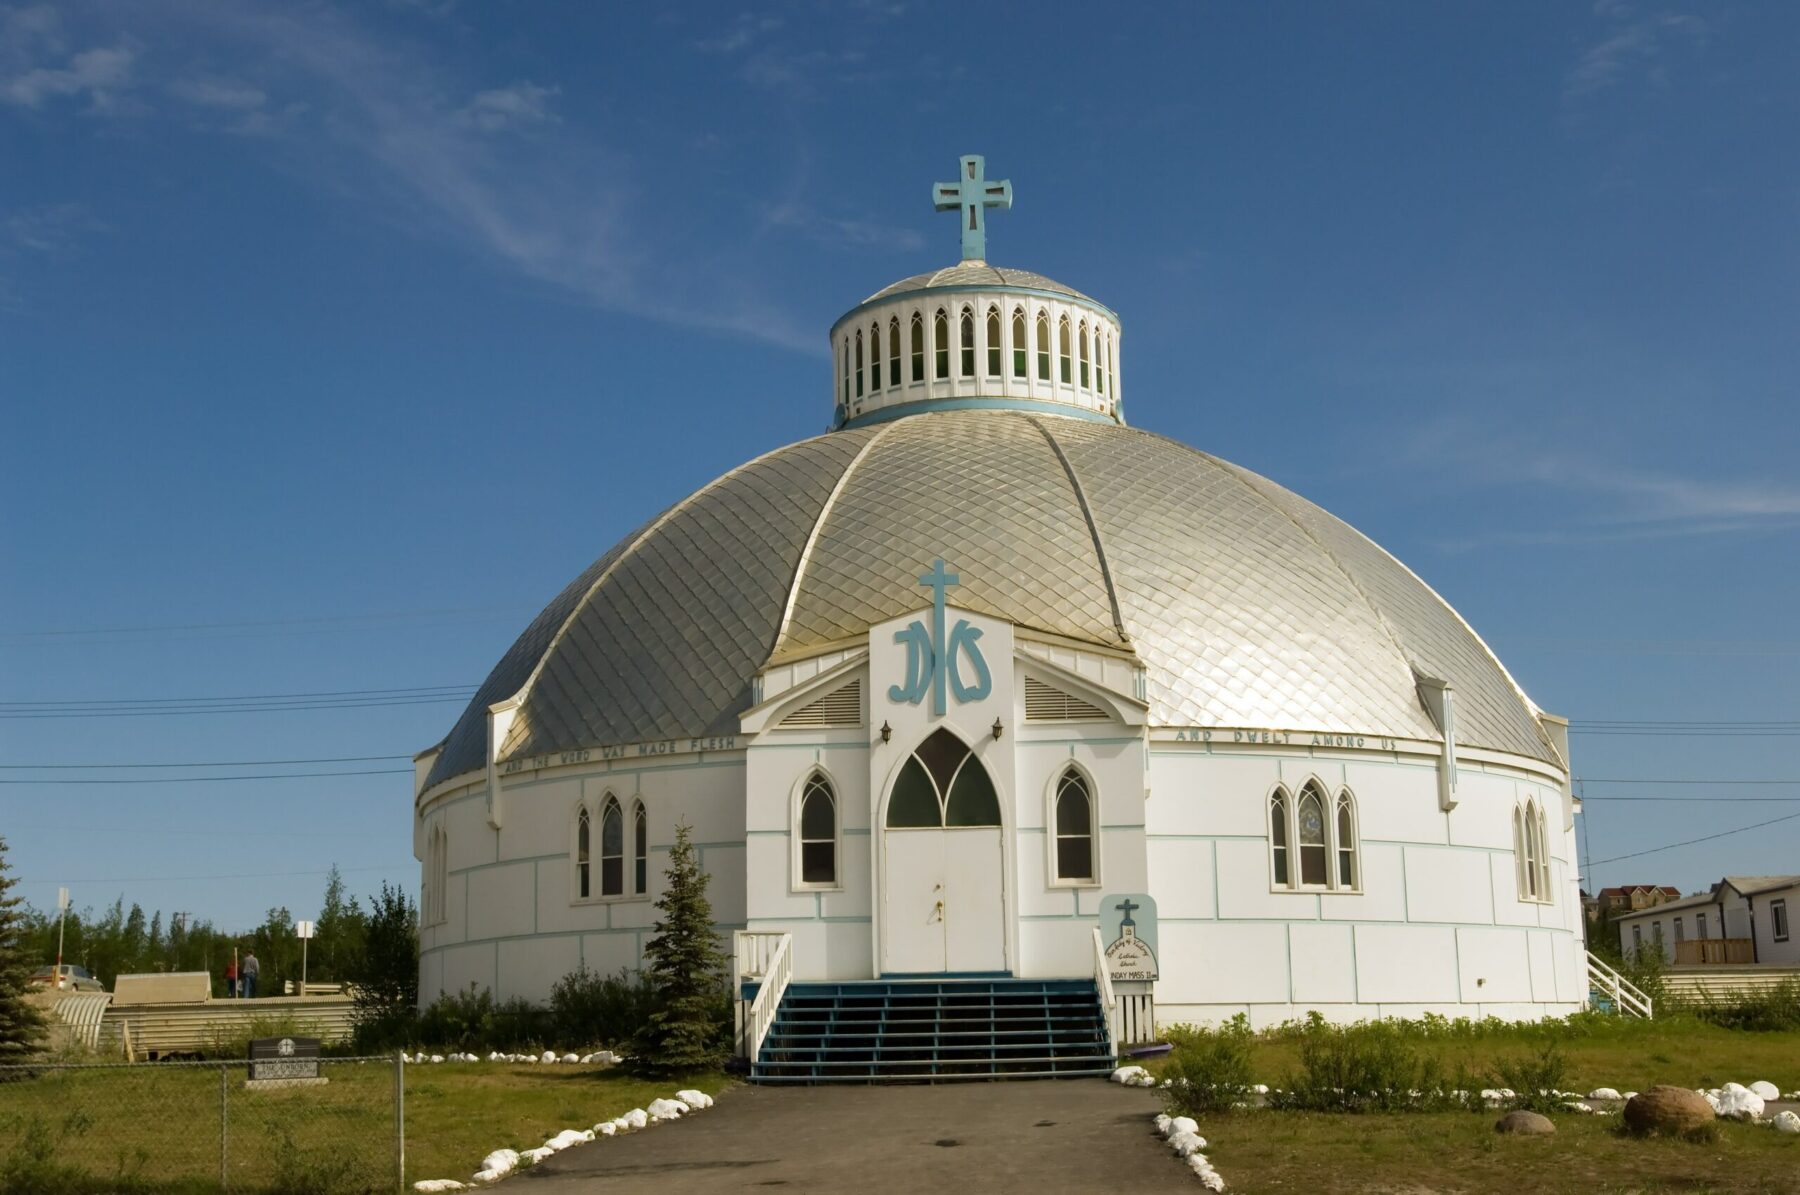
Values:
[(600, 1010), (473, 1020), (1534, 1078), (1371, 1066), (1769, 1011), (1209, 1069)]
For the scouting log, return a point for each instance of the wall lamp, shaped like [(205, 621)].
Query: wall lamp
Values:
[(997, 728), (887, 732)]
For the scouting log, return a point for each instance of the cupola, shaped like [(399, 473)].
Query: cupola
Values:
[(974, 336)]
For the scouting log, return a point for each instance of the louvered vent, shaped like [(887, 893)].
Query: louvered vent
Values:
[(840, 707), (1046, 703)]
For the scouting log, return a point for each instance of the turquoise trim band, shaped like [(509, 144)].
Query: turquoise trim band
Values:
[(1059, 296), (926, 405)]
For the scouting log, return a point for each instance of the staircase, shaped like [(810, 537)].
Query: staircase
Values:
[(932, 1031), (1608, 991)]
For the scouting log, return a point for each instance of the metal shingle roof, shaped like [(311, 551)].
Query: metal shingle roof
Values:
[(1248, 605)]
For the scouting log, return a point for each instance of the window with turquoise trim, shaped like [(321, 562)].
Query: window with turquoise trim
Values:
[(612, 849), (967, 327), (942, 785), (818, 832), (1062, 346), (1074, 828), (993, 342), (859, 366), (640, 849), (583, 855), (1084, 354), (1278, 836), (875, 358), (1043, 346), (940, 328), (918, 347), (894, 351), (846, 370), (1020, 349)]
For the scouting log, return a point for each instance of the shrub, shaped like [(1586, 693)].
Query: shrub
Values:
[(1366, 1067), (473, 1020), (1534, 1078), (1769, 1011), (1209, 1069), (600, 1010)]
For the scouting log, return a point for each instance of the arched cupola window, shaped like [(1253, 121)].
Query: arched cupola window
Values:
[(818, 833), (918, 347), (1112, 382), (1062, 349), (1083, 338), (640, 849), (1020, 348), (1043, 346), (894, 351), (846, 370), (1100, 350), (940, 329), (941, 785), (612, 849), (993, 342), (1074, 814), (859, 365), (967, 326), (874, 357)]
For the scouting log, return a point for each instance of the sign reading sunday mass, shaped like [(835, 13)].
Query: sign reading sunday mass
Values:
[(934, 663), (1128, 927)]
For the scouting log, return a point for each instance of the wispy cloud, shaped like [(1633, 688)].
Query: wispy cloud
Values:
[(45, 233), (509, 107), (839, 233), (99, 75), (1635, 45)]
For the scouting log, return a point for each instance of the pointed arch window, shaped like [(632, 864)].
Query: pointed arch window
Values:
[(612, 849), (940, 329), (1112, 383), (1043, 346), (894, 351), (994, 358), (584, 843), (1021, 350), (1074, 828), (434, 897), (1062, 349), (967, 327), (1528, 887), (846, 371), (640, 849), (918, 347), (942, 785), (874, 358), (1313, 840), (818, 833), (859, 365), (1543, 853), (1083, 338), (1279, 862)]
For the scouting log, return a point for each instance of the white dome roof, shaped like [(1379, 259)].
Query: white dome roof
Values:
[(1247, 605)]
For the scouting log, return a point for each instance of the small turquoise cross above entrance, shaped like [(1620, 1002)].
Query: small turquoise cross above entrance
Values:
[(969, 194)]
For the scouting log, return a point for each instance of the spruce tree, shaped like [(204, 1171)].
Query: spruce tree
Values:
[(686, 1029), (21, 1022)]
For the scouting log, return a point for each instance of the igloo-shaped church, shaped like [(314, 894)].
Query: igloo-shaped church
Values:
[(985, 699)]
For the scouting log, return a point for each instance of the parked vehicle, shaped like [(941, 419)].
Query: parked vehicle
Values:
[(73, 978)]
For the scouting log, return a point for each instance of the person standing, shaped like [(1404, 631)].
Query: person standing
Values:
[(248, 975), (231, 976)]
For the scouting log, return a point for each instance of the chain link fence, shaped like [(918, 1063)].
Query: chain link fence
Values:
[(83, 1129)]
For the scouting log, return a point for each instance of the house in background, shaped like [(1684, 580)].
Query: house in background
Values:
[(1631, 897), (1741, 920)]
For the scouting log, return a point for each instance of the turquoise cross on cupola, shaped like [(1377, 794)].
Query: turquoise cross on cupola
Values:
[(969, 194)]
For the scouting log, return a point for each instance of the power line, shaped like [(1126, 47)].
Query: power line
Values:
[(230, 763), (134, 830), (246, 875), (206, 779), (241, 696), (337, 621), (1691, 841), (290, 707)]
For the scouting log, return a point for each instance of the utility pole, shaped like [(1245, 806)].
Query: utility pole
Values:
[(62, 915)]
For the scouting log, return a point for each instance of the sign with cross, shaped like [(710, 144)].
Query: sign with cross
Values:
[(1128, 927), (970, 194)]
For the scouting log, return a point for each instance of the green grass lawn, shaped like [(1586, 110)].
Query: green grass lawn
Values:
[(1310, 1152), (157, 1129)]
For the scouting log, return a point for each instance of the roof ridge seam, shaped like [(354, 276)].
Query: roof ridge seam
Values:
[(637, 541), (812, 538), (1087, 513)]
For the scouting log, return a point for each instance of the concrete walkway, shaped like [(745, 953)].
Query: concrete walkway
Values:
[(1072, 1135)]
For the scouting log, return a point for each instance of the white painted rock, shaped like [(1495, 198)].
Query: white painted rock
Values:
[(571, 1058), (499, 1163), (1740, 1103), (437, 1057), (1129, 1074), (1261, 1089), (637, 1118), (1203, 1170), (489, 1176), (532, 1157), (1162, 1123), (567, 1138), (1766, 1089), (1183, 1124), (439, 1184), (1629, 1095), (606, 1128), (666, 1109), (1186, 1143), (1787, 1122), (1604, 1093), (694, 1099)]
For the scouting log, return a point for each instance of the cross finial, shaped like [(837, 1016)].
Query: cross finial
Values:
[(1127, 907), (970, 194)]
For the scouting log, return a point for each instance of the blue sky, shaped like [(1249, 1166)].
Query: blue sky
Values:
[(335, 339)]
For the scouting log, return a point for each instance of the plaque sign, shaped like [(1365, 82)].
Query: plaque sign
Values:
[(284, 1058), (1128, 927)]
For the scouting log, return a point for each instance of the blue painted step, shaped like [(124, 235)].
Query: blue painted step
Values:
[(935, 1030)]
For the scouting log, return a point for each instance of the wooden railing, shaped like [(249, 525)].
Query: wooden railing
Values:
[(767, 960), (1625, 995), (1109, 1003), (1697, 952)]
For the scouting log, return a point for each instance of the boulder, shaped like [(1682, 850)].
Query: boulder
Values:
[(1787, 1122), (1529, 1123), (1603, 1093), (1672, 1110), (1766, 1089), (1740, 1103)]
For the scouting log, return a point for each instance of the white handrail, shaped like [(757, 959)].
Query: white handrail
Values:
[(1624, 993), (776, 971), (1108, 1002)]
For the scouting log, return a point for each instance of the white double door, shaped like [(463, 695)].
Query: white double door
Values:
[(943, 901)]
